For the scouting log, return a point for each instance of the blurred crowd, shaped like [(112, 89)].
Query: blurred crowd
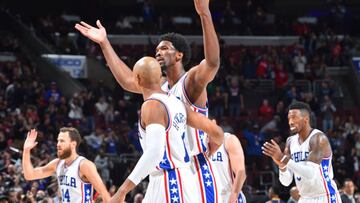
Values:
[(107, 119)]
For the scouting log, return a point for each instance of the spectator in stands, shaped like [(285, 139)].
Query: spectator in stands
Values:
[(328, 109), (348, 192), (292, 95), (262, 68), (325, 90), (294, 195), (281, 78), (299, 62), (53, 92), (95, 139), (273, 193), (350, 127), (265, 110), (102, 164), (271, 127), (219, 102), (255, 139), (75, 112), (236, 100)]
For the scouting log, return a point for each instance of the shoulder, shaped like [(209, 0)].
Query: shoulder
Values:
[(290, 139), (231, 141), (54, 163), (319, 138), (85, 165), (153, 104)]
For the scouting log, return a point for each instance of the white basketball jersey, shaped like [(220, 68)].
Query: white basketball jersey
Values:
[(196, 140), (224, 174), (175, 153), (323, 183), (72, 188)]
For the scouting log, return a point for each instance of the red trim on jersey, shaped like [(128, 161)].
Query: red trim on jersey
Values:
[(326, 189), (212, 173), (168, 149), (182, 195), (82, 193), (166, 187), (231, 172), (197, 135), (199, 177)]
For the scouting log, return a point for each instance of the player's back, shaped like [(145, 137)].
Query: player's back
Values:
[(72, 188), (175, 152), (195, 139), (323, 183), (172, 177)]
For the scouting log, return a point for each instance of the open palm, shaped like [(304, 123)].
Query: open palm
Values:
[(30, 141), (97, 35)]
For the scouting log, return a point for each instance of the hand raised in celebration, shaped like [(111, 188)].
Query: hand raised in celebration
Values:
[(30, 141), (97, 35)]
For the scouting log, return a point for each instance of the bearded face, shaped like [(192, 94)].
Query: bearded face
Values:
[(64, 153)]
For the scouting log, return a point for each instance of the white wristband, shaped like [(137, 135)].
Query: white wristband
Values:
[(283, 158)]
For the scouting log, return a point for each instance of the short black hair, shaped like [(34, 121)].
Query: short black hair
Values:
[(275, 189), (180, 44), (73, 134), (300, 106), (347, 180)]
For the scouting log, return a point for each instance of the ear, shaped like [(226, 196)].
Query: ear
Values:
[(179, 56), (138, 79), (73, 143)]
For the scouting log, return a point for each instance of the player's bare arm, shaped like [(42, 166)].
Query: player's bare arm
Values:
[(200, 75), (319, 148), (31, 173), (121, 72), (237, 161), (89, 173), (199, 121), (152, 112)]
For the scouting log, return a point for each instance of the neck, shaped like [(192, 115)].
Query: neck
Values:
[(305, 132), (147, 92), (71, 158), (174, 73), (348, 194)]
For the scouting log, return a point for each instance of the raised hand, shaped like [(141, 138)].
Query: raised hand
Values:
[(202, 6), (97, 35), (30, 141)]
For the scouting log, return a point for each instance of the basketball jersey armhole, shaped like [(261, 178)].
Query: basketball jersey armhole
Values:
[(188, 99), (167, 113), (78, 173)]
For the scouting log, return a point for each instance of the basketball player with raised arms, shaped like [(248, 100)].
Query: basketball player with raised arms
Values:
[(229, 162), (173, 54), (162, 127), (306, 158), (77, 176)]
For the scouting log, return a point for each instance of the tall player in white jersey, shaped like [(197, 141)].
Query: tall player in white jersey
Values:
[(76, 175), (163, 122), (229, 162), (307, 158), (173, 53)]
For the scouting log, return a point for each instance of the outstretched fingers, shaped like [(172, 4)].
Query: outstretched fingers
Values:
[(99, 24), (81, 28), (86, 25)]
